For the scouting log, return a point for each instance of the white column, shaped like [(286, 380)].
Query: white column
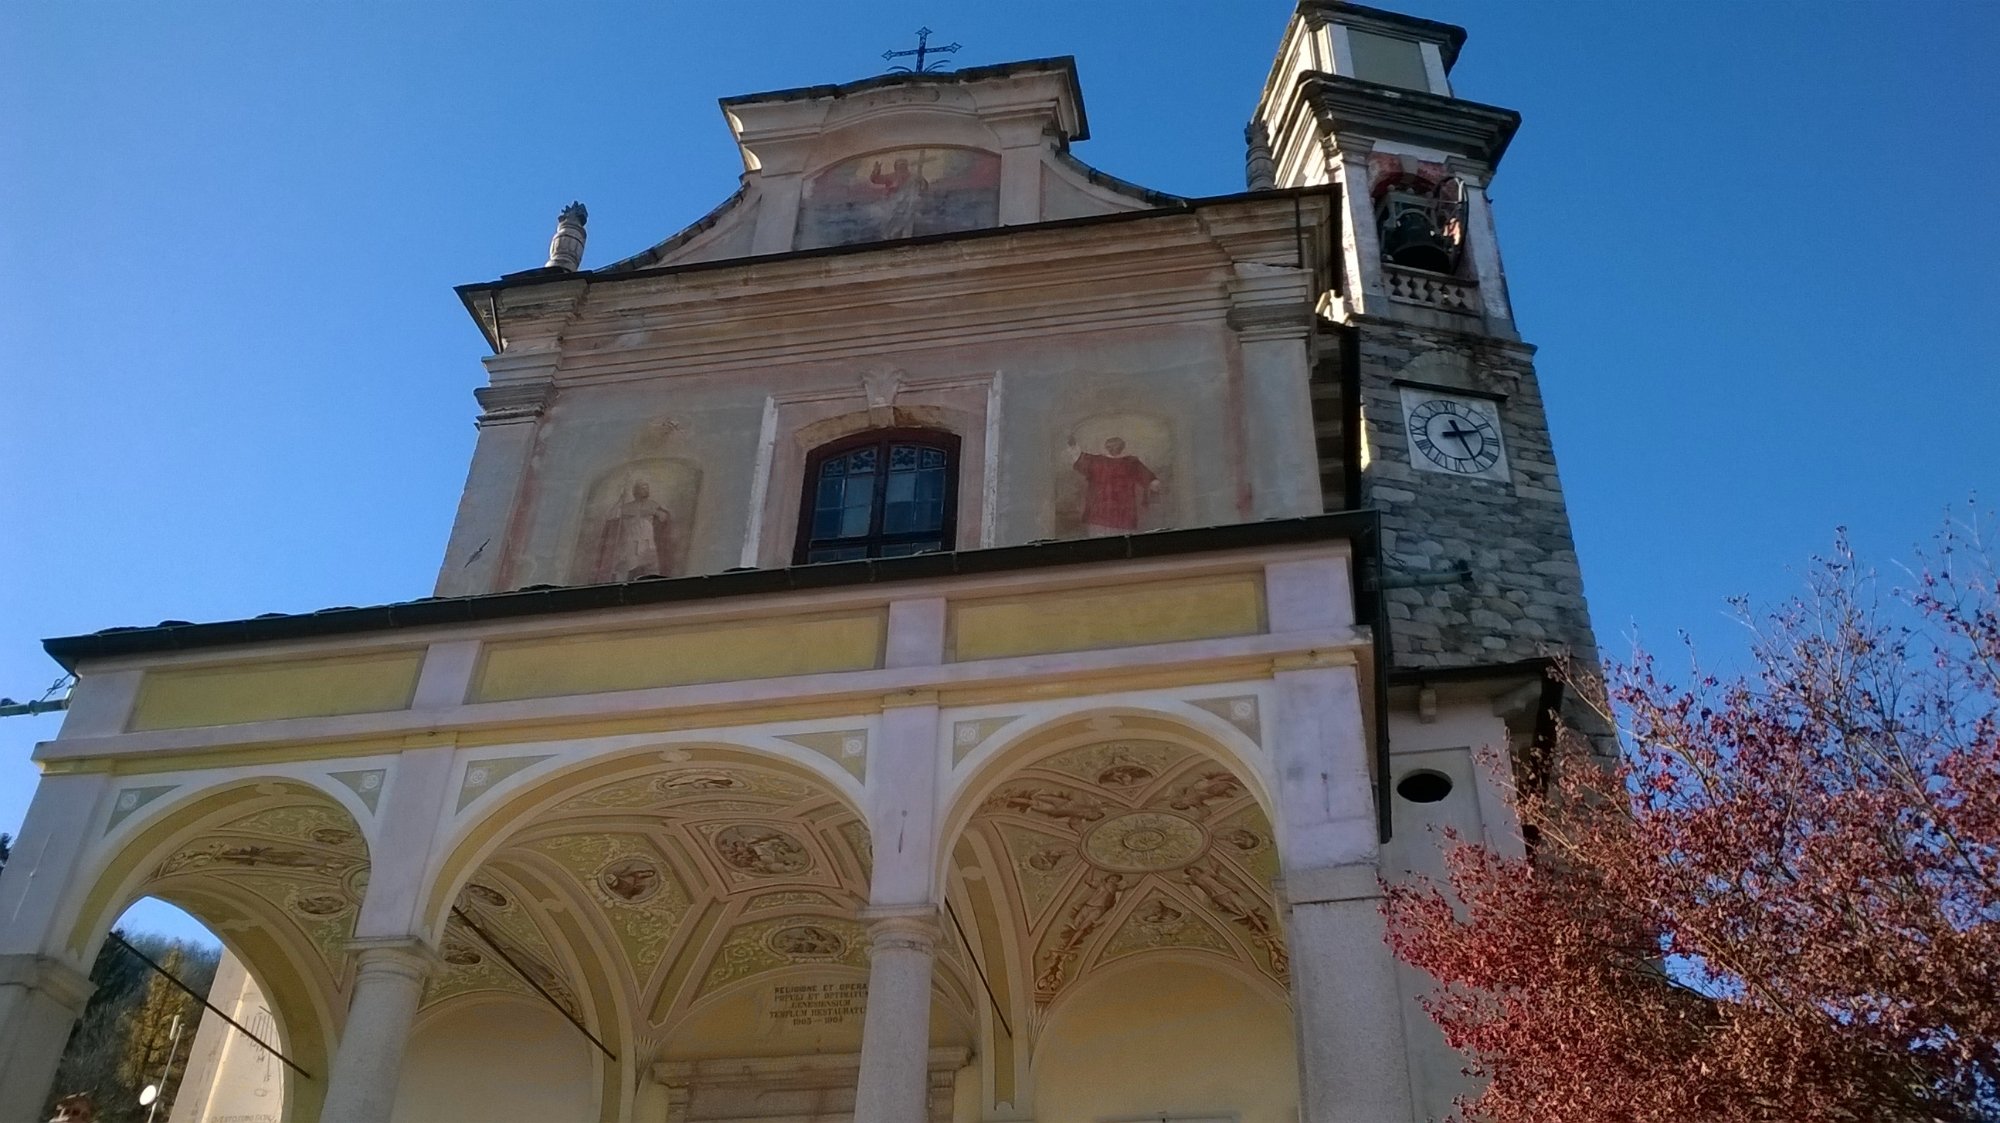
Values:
[(1346, 1008), (1271, 308), (388, 984), (40, 1000), (894, 1085), (902, 812), (523, 385)]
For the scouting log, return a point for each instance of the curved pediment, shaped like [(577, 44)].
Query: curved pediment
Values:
[(902, 156)]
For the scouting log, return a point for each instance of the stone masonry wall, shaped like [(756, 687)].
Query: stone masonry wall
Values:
[(1524, 597)]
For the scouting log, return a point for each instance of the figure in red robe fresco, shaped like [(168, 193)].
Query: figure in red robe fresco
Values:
[(1116, 488)]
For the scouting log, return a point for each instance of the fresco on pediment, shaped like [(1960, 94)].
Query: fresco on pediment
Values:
[(636, 521), (1117, 477), (900, 194)]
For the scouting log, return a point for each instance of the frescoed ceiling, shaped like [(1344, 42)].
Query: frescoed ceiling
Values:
[(1122, 848), (297, 866), (709, 880)]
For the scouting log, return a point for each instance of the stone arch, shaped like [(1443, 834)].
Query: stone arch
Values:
[(275, 866), (1107, 838), (1049, 733), (661, 886)]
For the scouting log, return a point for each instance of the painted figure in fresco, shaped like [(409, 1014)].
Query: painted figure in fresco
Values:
[(1230, 903), (903, 191), (638, 538), (1212, 787), (761, 850), (1116, 488), (1061, 806), (1102, 892), (807, 939), (630, 879)]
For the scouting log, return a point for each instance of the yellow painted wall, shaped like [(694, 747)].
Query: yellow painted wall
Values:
[(634, 660), (507, 1062), (1167, 1039), (178, 698), (1162, 612)]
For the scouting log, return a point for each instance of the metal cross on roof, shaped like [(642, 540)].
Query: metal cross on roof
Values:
[(921, 51)]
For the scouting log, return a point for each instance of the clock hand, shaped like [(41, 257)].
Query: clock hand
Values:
[(1463, 435)]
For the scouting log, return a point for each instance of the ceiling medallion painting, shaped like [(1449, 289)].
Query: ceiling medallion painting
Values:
[(1130, 846)]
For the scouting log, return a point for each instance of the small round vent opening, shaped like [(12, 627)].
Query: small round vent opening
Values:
[(1424, 787)]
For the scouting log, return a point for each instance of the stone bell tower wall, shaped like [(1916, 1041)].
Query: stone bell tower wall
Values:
[(1477, 571)]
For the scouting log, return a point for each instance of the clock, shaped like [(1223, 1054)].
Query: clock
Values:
[(1457, 435)]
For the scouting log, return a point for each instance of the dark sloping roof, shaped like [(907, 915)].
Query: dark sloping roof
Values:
[(551, 600)]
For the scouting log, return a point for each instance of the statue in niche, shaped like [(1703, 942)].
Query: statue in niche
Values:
[(1117, 483), (635, 521), (638, 538)]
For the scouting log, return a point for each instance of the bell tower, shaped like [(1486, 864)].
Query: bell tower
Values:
[(1427, 404)]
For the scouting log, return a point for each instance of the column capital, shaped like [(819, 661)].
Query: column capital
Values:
[(56, 978), (407, 956), (905, 927)]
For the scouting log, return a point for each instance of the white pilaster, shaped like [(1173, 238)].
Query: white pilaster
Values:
[(1021, 147), (1483, 246), (1346, 1008), (413, 807), (389, 982), (894, 1085), (40, 1000), (1271, 308), (523, 385), (1360, 244)]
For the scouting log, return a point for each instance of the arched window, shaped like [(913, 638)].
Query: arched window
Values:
[(880, 494)]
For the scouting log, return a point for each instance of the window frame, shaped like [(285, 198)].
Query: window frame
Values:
[(942, 440)]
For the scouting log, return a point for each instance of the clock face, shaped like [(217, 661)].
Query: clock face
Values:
[(1455, 435)]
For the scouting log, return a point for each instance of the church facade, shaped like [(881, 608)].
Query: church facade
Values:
[(950, 635)]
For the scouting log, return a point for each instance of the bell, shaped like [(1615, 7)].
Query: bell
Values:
[(1411, 234)]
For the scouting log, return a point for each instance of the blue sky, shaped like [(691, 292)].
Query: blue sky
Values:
[(1756, 244)]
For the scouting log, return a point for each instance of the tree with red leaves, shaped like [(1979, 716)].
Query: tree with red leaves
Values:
[(1782, 900)]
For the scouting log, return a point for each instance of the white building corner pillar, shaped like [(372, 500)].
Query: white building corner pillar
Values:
[(511, 410), (1346, 1006), (894, 1085), (388, 984), (41, 998), (1271, 308)]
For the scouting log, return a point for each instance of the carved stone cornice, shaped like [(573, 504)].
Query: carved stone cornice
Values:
[(1270, 302), (512, 402), (1458, 127)]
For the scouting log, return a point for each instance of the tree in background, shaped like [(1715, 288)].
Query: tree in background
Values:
[(119, 1045), (1783, 903)]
